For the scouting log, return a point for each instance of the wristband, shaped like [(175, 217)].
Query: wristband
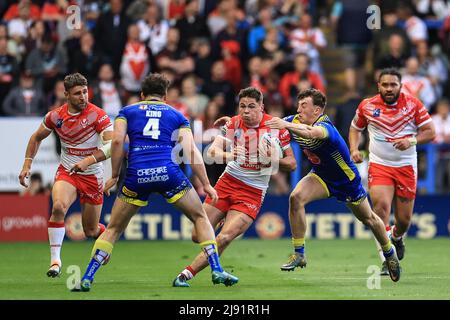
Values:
[(29, 158), (412, 141), (94, 158)]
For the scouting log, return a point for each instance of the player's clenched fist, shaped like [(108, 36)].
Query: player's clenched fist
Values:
[(110, 184), (357, 156), (24, 174), (211, 192)]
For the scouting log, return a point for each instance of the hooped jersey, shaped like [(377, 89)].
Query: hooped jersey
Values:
[(79, 134), (152, 127), (330, 157), (387, 123), (250, 170)]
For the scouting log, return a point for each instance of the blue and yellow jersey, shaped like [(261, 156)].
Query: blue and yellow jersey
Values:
[(152, 127), (330, 157)]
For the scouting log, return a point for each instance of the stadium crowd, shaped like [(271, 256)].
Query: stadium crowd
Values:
[(210, 49)]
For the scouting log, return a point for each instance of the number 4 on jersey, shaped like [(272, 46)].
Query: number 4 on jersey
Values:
[(152, 128)]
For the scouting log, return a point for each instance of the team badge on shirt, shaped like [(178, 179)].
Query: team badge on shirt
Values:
[(376, 112)]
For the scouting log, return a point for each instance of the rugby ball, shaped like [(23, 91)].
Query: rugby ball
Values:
[(266, 141)]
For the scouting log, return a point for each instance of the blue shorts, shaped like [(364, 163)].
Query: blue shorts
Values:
[(351, 192), (166, 179)]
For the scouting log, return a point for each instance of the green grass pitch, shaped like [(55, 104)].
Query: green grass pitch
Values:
[(337, 269)]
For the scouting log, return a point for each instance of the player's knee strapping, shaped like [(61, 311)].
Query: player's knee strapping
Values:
[(102, 250)]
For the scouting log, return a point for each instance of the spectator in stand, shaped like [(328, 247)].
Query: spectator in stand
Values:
[(216, 19), (46, 64), (18, 29), (71, 45), (435, 9), (173, 99), (395, 57), (86, 60), (9, 70), (258, 32), (153, 29), (107, 92), (54, 12), (13, 10), (382, 37), (56, 98), (345, 113), (255, 77), (111, 33), (441, 121), (208, 118), (191, 25), (308, 40), (346, 14), (219, 88), (289, 84), (173, 57), (414, 26), (432, 66), (137, 62), (174, 9), (203, 60), (195, 102), (138, 8), (90, 10), (19, 25), (25, 99), (417, 85), (230, 58), (210, 132), (271, 47), (36, 33), (273, 101), (231, 32)]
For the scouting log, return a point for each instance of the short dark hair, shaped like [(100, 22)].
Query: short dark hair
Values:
[(251, 92), (390, 71), (73, 80), (318, 98), (155, 84)]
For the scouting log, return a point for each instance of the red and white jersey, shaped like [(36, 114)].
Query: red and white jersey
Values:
[(387, 123), (79, 133), (250, 170)]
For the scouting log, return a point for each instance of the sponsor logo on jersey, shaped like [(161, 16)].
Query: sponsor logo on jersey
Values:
[(102, 118)]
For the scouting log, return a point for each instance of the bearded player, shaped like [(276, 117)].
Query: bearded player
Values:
[(82, 128), (396, 123)]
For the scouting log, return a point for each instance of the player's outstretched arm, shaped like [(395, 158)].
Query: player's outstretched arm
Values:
[(32, 148), (300, 129), (221, 121), (195, 159)]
